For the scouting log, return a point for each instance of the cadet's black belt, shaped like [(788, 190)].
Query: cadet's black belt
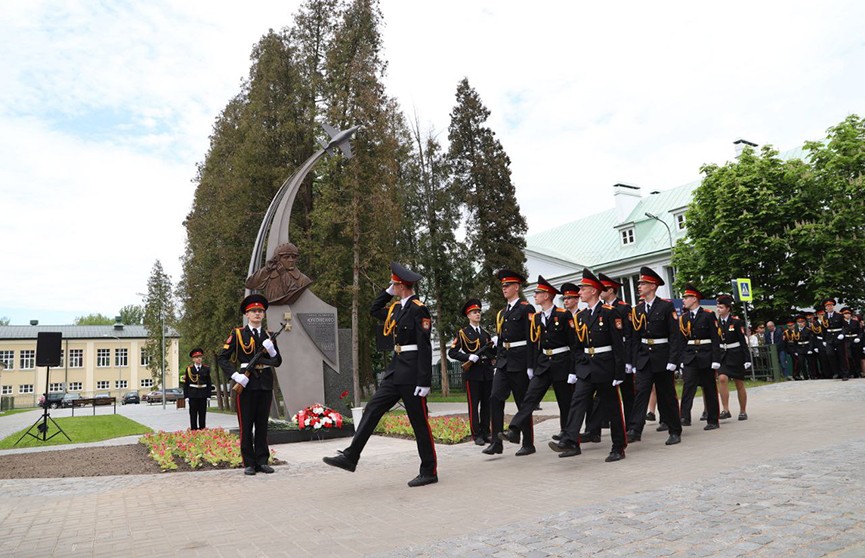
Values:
[(730, 345), (404, 348), (512, 344), (556, 351), (698, 341), (655, 341), (835, 330), (595, 350)]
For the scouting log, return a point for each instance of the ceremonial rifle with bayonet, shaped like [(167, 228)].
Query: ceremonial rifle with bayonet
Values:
[(250, 366)]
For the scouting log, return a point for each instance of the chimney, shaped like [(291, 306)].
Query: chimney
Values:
[(627, 197), (34, 322), (740, 144), (118, 324)]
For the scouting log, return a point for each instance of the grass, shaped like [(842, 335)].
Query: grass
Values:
[(13, 412), (80, 429)]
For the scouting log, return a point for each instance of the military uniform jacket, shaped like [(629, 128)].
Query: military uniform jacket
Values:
[(196, 384), (700, 332), (624, 310), (410, 327), (240, 347), (514, 326), (600, 347), (834, 327), (798, 341), (467, 342), (660, 323), (852, 329), (730, 332), (818, 333), (558, 333)]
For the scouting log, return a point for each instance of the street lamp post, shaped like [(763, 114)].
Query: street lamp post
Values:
[(670, 238), (162, 346)]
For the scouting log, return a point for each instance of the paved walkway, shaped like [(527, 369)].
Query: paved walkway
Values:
[(787, 482)]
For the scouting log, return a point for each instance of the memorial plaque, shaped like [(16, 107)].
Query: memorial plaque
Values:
[(321, 328)]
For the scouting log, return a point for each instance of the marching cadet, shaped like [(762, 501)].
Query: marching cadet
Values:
[(836, 347), (805, 348), (701, 356), (790, 339), (253, 401), (473, 347), (514, 360), (571, 299), (735, 358), (599, 369), (407, 378), (852, 336), (554, 342), (818, 328), (196, 389), (657, 348)]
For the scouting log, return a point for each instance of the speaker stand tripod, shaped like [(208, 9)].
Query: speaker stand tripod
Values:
[(41, 424)]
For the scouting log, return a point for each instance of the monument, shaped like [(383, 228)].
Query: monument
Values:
[(309, 345)]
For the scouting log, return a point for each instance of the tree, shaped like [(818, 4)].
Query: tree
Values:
[(159, 315), (433, 208), (132, 314), (4, 321), (495, 229), (93, 319)]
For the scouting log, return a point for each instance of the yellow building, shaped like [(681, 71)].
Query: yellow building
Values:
[(94, 360)]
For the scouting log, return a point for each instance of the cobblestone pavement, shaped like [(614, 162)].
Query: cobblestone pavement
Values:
[(787, 482)]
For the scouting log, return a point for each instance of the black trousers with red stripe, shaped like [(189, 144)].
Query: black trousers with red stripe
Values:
[(253, 410), (197, 413), (610, 405), (505, 383), (478, 399), (385, 397), (627, 393)]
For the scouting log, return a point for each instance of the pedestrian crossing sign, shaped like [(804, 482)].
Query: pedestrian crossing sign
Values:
[(743, 289)]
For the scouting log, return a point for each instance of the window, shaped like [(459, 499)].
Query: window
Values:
[(62, 354), (75, 386), (120, 384), (25, 388), (76, 358), (103, 358), (627, 236), (6, 390), (8, 359), (28, 360), (145, 358), (680, 221), (629, 289), (55, 388), (103, 384), (146, 382), (121, 357)]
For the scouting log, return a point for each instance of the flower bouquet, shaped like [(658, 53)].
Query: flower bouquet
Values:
[(316, 417)]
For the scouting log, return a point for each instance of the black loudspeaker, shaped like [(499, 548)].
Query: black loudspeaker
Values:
[(48, 348)]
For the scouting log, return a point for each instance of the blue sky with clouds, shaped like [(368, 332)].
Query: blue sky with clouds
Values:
[(106, 109)]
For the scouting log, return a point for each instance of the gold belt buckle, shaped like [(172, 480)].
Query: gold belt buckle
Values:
[(548, 352), (697, 341), (650, 341), (397, 349), (591, 351), (506, 344)]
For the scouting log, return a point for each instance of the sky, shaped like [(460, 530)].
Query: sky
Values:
[(106, 110)]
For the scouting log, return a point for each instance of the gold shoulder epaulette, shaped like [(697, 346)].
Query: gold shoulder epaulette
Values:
[(417, 301), (607, 306)]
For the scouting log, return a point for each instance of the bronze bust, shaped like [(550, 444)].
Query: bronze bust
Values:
[(279, 280)]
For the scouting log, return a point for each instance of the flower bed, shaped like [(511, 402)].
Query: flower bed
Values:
[(215, 447), (445, 430)]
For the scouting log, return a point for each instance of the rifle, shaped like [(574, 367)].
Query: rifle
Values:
[(487, 351), (257, 356)]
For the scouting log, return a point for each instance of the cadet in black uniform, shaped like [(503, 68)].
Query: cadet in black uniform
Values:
[(836, 343), (657, 346), (852, 336), (473, 347), (253, 403), (701, 357), (599, 369), (514, 359), (554, 341), (804, 347), (408, 378), (196, 389), (735, 359), (818, 328)]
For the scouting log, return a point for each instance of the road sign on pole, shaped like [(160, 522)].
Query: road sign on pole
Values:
[(743, 290)]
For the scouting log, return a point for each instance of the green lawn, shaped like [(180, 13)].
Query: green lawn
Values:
[(13, 412), (81, 430)]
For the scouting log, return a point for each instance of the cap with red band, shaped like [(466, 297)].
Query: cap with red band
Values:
[(589, 280)]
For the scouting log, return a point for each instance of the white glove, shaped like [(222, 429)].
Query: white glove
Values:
[(840, 337), (531, 373), (810, 352), (243, 365), (617, 382), (421, 391), (671, 367), (474, 358), (572, 378), (824, 344), (240, 378), (389, 290), (716, 365), (629, 369), (268, 344), (747, 366), (495, 340), (856, 340)]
